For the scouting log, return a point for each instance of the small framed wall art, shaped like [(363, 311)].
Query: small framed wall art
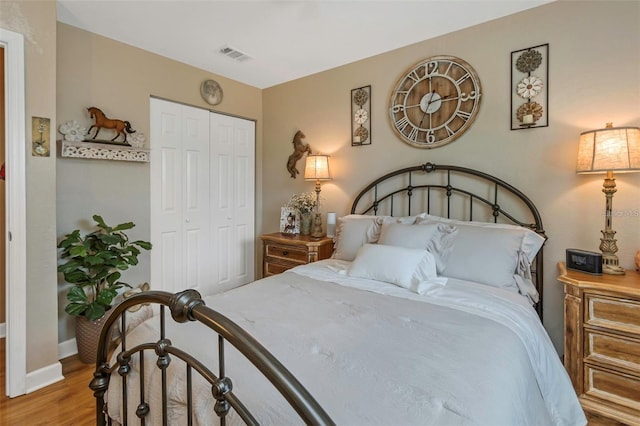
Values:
[(361, 116), (530, 87), (289, 220)]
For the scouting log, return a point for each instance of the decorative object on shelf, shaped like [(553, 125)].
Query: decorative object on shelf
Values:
[(289, 220), (361, 116), (435, 101), (137, 140), (530, 87), (299, 148), (605, 151), (211, 92), (40, 131), (121, 127), (73, 131), (317, 168), (305, 204), (100, 151), (637, 260), (92, 264)]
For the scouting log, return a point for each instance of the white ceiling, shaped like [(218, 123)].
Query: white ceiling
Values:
[(285, 40)]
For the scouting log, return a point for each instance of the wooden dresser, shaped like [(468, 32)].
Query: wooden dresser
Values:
[(602, 343), (284, 251)]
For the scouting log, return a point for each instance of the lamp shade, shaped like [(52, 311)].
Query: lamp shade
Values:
[(609, 149), (317, 167)]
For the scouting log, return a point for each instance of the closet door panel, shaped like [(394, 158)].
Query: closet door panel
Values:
[(180, 227)]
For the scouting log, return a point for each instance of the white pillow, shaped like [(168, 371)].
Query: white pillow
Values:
[(352, 231), (413, 269), (495, 254), (531, 243), (437, 238)]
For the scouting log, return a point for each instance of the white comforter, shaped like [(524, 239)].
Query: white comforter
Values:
[(373, 353)]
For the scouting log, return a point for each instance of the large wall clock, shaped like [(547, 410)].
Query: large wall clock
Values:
[(435, 101)]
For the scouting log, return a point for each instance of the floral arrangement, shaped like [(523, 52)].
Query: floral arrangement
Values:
[(305, 203)]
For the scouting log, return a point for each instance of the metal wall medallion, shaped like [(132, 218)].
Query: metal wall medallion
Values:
[(211, 92)]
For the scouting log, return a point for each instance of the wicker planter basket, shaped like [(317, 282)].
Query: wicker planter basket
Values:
[(87, 337)]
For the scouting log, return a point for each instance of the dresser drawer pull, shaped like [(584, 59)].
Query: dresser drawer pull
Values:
[(285, 253)]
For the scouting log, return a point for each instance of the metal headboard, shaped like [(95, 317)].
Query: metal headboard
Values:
[(454, 192)]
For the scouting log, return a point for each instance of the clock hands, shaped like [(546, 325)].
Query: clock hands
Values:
[(426, 108)]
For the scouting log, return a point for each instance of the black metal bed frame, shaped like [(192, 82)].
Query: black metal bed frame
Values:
[(188, 306), (405, 190)]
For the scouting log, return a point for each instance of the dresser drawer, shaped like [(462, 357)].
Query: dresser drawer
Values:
[(617, 388), (613, 313), (612, 349), (291, 253)]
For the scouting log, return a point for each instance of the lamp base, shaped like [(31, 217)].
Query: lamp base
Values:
[(317, 227), (613, 270), (610, 264)]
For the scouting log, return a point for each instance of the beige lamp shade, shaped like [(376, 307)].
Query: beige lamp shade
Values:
[(317, 167), (609, 149)]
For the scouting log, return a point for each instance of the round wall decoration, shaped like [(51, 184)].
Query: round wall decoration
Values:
[(435, 101), (211, 92)]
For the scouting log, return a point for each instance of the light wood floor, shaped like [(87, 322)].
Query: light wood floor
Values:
[(68, 402)]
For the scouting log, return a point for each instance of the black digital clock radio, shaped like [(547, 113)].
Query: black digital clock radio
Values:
[(584, 261)]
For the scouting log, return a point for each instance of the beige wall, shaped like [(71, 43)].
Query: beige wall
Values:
[(36, 20), (119, 79), (593, 78)]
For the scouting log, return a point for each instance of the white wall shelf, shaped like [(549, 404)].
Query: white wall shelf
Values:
[(103, 151)]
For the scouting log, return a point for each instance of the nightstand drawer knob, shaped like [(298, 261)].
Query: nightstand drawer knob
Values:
[(285, 253)]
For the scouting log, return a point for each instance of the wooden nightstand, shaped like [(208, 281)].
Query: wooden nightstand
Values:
[(284, 251), (602, 343)]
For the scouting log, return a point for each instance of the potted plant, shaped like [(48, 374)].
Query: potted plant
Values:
[(93, 264)]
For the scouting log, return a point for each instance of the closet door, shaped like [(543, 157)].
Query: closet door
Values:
[(180, 203), (232, 200)]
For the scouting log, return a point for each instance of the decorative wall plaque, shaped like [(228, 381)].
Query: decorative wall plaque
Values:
[(530, 87), (361, 116)]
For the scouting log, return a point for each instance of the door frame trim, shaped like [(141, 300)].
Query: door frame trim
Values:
[(15, 218)]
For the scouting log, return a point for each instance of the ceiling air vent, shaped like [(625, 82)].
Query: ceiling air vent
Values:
[(234, 54)]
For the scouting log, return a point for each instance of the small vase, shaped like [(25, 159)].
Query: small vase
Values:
[(305, 224)]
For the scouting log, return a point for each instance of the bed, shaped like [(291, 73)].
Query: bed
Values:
[(429, 312)]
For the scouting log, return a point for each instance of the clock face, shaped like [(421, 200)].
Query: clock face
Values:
[(435, 101)]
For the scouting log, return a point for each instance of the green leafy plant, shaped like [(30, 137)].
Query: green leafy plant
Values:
[(93, 264)]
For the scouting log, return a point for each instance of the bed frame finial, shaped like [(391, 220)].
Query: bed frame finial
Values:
[(183, 303)]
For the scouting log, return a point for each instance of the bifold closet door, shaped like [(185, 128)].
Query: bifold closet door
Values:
[(180, 199), (232, 200)]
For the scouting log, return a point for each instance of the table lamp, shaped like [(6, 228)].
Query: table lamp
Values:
[(605, 151), (317, 168)]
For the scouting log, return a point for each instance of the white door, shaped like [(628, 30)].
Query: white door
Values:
[(202, 199), (179, 197), (232, 200)]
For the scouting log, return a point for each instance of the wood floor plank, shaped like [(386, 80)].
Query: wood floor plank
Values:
[(69, 402)]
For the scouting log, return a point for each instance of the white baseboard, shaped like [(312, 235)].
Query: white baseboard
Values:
[(44, 377), (67, 348), (3, 330)]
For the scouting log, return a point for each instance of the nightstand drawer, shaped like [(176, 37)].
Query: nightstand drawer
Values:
[(613, 313), (613, 350), (621, 389), (295, 254), (271, 268)]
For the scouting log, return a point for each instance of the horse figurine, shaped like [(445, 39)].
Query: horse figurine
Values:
[(103, 122), (299, 149)]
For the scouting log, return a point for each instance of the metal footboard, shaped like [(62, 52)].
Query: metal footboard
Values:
[(188, 306)]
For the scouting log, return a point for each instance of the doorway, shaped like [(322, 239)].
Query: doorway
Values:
[(14, 237)]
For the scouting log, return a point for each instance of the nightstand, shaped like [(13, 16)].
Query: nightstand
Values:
[(284, 251), (602, 343)]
